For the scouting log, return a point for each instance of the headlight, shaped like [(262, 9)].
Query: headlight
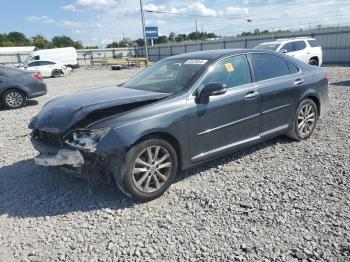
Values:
[(86, 139)]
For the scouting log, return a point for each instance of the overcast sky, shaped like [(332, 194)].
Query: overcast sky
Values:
[(103, 21)]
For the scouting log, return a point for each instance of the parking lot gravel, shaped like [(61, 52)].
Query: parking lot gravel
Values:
[(278, 201)]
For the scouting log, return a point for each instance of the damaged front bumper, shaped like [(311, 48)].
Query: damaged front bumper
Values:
[(63, 157)]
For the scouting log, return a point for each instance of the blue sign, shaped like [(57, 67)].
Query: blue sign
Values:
[(151, 32)]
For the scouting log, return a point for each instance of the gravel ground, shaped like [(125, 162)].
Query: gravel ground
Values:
[(278, 201)]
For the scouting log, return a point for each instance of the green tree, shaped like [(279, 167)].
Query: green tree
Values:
[(3, 39), (172, 36), (40, 41), (181, 38), (18, 38), (78, 45), (194, 36), (126, 42), (62, 41), (91, 47), (139, 42), (113, 45), (212, 35), (7, 43), (163, 39)]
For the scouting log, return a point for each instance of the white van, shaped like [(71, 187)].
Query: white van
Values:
[(66, 56)]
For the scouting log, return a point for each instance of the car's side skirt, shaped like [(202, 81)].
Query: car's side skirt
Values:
[(239, 144), (224, 148), (274, 131)]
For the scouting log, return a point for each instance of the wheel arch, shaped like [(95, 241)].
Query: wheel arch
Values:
[(315, 57), (316, 100), (167, 137)]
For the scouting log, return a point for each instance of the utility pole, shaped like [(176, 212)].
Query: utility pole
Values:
[(143, 29), (196, 23)]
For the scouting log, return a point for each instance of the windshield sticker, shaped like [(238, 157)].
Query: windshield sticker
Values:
[(229, 67), (196, 62)]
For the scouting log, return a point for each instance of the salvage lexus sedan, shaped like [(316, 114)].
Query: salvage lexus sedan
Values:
[(179, 112)]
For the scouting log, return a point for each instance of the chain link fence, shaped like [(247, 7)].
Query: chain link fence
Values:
[(335, 44)]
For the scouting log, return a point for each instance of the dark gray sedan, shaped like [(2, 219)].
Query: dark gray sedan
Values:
[(17, 86), (180, 112)]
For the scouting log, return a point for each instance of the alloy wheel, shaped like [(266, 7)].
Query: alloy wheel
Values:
[(151, 169), (14, 99), (306, 120)]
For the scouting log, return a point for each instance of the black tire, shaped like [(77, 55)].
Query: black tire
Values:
[(313, 62), (14, 98), (56, 73), (130, 179), (297, 123)]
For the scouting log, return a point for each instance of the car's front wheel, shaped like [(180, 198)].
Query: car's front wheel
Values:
[(304, 121), (14, 99), (151, 167)]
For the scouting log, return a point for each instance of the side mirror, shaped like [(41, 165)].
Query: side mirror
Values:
[(283, 51), (211, 89)]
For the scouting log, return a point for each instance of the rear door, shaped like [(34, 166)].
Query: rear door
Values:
[(3, 81), (301, 51), (46, 68), (277, 79), (33, 66), (229, 120)]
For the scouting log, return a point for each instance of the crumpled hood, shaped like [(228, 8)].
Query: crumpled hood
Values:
[(62, 113)]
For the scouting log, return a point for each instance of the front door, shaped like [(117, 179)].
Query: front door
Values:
[(229, 120)]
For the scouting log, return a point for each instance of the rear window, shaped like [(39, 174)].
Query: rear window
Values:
[(293, 69), (268, 66), (289, 47), (314, 43)]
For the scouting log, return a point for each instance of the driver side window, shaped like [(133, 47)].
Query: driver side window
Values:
[(233, 71), (289, 47)]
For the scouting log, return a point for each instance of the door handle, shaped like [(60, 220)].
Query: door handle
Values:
[(298, 82), (250, 95)]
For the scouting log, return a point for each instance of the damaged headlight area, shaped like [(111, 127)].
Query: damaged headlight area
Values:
[(86, 139)]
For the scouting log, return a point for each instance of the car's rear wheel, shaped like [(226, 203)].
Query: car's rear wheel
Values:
[(304, 121), (56, 73), (14, 99), (151, 167), (313, 62)]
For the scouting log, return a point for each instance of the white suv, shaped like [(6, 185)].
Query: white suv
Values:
[(305, 49)]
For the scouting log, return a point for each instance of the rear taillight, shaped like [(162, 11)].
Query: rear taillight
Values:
[(37, 76)]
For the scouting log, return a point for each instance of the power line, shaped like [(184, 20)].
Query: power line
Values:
[(240, 18), (194, 15), (284, 8)]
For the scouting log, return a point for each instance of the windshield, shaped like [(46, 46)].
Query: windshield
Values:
[(272, 47), (26, 61), (167, 76)]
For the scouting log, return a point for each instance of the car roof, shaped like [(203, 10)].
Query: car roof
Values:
[(284, 40), (11, 70), (211, 54)]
